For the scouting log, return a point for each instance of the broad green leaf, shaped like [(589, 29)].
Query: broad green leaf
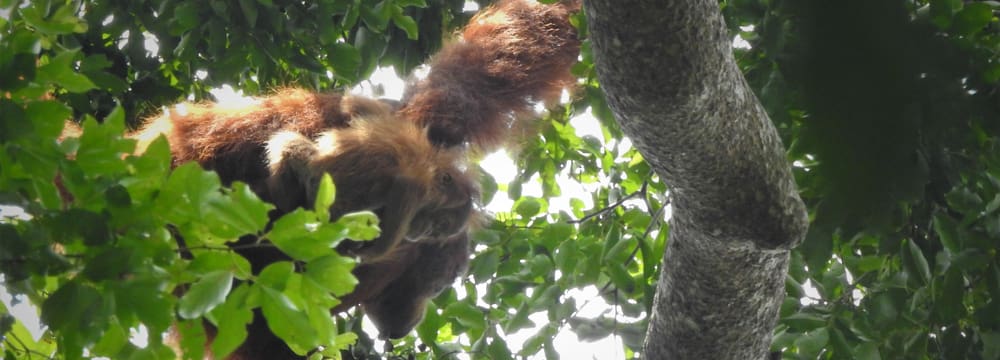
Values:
[(212, 261), (187, 191), (949, 305), (527, 207), (554, 234), (102, 146), (941, 12), (973, 18), (192, 338), (406, 23), (240, 212), (205, 294), (48, 117), (288, 321), (77, 309), (947, 230), (299, 235), (232, 326), (147, 296), (498, 350), (332, 273), (467, 315), (185, 17), (60, 71), (112, 341), (276, 275), (812, 343), (62, 21), (804, 321), (916, 263), (345, 60), (484, 265)]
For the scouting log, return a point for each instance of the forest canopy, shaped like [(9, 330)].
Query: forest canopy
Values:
[(889, 111)]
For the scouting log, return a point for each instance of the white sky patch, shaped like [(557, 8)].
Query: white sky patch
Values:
[(739, 42), (151, 44), (13, 212), (383, 84), (229, 98), (24, 312), (470, 6)]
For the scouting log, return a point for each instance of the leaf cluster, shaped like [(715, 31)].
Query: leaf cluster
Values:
[(889, 110)]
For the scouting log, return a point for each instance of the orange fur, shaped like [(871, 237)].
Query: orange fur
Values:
[(405, 164), (510, 55)]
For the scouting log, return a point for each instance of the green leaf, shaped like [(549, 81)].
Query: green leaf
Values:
[(947, 230), (62, 21), (361, 225), (915, 262), (232, 329), (288, 321), (112, 341), (60, 71), (276, 275), (527, 207), (239, 213), (948, 304), (192, 338), (964, 200), (467, 315), (299, 235), (325, 196), (406, 23), (941, 12), (345, 60), (147, 296), (186, 17), (332, 273), (973, 18), (485, 265), (213, 261), (102, 146), (817, 249), (205, 294), (498, 350), (186, 193), (554, 234), (812, 343), (73, 307), (48, 117), (867, 351)]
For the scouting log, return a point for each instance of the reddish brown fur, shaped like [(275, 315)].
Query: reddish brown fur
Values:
[(510, 56), (403, 165)]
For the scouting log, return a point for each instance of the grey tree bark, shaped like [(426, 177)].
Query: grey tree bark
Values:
[(668, 72)]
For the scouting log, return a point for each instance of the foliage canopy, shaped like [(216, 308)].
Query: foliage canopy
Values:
[(889, 109)]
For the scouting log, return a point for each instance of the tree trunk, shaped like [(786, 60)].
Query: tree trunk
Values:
[(668, 72)]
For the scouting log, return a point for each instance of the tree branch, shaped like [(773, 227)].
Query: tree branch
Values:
[(669, 76)]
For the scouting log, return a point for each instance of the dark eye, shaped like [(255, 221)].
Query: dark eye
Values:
[(446, 179)]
